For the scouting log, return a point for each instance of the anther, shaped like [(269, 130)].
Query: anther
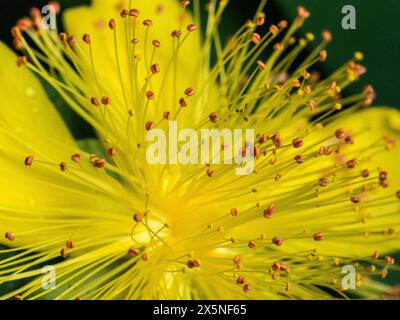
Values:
[(278, 241), (145, 257), (319, 236), (10, 236), (398, 194), (193, 264), (191, 27), (63, 166), (112, 152), (28, 161), (148, 23), (100, 163), (234, 212), (297, 143), (64, 252), (375, 255), (349, 140), (155, 68), (323, 55), (156, 43), (76, 158), (355, 199), (56, 6), (137, 217), (133, 252), (167, 115), (86, 38), (273, 29), (70, 244), (283, 24), (252, 245), (182, 102), (105, 100), (302, 12), (256, 38), (150, 95), (189, 92), (261, 65), (383, 175), (365, 173), (112, 24), (340, 134), (389, 260), (247, 287), (269, 211), (21, 61), (134, 13), (241, 280), (299, 159), (351, 163), (323, 182), (210, 172), (213, 117), (237, 260), (95, 101), (176, 34), (327, 36), (149, 125), (185, 3), (124, 13)]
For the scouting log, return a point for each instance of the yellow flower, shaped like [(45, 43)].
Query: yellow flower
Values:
[(323, 193)]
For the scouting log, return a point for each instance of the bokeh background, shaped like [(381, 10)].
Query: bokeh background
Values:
[(377, 36)]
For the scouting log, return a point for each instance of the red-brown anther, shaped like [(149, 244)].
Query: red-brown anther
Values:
[(148, 23), (24, 24), (355, 199), (284, 266), (256, 38), (134, 13), (9, 236), (383, 175), (76, 158), (252, 245), (63, 37), (185, 3), (261, 65), (193, 264), (384, 183), (64, 252), (312, 105), (35, 13), (302, 12), (323, 182), (112, 152), (234, 212), (72, 40), (398, 194), (150, 95), (256, 152), (319, 236), (262, 139), (297, 143), (100, 163), (349, 140), (145, 257), (137, 217), (237, 260), (260, 19), (277, 140), (283, 24), (156, 43), (112, 24), (323, 55), (370, 95), (211, 173), (299, 159), (270, 211), (28, 161), (213, 117), (191, 27), (176, 34), (95, 101), (133, 252), (182, 102), (276, 266), (105, 100), (16, 33), (124, 13), (365, 173), (241, 280), (155, 68), (273, 29), (56, 6), (21, 61), (189, 92), (70, 244), (167, 115), (389, 260), (340, 134), (375, 255), (86, 38), (278, 241), (135, 41), (247, 287), (63, 166), (149, 125), (327, 36), (351, 163)]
